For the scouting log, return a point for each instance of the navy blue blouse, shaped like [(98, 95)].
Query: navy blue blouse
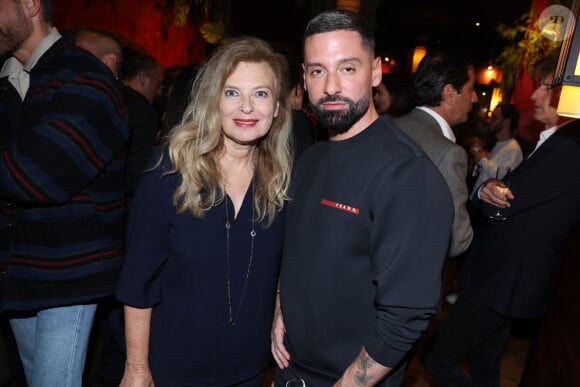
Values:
[(177, 264)]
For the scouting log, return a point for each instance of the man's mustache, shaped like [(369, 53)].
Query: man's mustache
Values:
[(334, 98)]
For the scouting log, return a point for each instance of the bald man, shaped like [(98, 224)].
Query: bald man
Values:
[(143, 122), (103, 46)]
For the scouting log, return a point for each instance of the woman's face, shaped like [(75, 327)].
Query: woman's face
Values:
[(248, 103), (382, 99)]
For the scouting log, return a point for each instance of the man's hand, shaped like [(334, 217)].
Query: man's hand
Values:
[(490, 194), (281, 355)]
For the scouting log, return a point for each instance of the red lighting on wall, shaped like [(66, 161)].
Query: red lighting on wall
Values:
[(136, 21)]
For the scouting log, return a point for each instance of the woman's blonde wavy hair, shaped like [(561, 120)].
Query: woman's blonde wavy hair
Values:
[(195, 144)]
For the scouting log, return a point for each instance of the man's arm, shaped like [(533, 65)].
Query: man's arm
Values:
[(413, 213), (68, 133), (364, 371), (453, 167)]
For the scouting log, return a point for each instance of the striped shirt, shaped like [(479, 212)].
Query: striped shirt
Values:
[(62, 167)]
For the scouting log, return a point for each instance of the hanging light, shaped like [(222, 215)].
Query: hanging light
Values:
[(568, 70), (488, 75)]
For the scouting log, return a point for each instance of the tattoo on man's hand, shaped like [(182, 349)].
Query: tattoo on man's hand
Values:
[(362, 378)]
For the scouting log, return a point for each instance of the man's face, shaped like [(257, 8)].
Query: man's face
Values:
[(464, 100), (382, 98), (153, 84), (339, 74), (542, 97), (15, 26)]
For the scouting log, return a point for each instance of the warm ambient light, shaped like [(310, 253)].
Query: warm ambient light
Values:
[(418, 54), (488, 75), (350, 5), (496, 97), (569, 103), (388, 64)]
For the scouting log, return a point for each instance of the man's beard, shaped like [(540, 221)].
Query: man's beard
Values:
[(340, 121), (496, 128), (14, 33)]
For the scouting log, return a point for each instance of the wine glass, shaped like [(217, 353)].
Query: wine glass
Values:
[(502, 187)]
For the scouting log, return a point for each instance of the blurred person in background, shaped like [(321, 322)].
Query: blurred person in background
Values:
[(394, 95)]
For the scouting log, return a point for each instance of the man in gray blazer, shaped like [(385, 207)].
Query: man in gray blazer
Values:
[(444, 94)]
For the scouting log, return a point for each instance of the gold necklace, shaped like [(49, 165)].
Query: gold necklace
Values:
[(234, 318)]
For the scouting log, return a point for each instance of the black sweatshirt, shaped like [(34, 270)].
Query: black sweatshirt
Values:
[(366, 235)]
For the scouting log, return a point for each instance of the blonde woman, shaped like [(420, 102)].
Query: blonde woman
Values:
[(205, 229)]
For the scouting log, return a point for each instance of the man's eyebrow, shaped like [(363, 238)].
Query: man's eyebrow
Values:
[(342, 61)]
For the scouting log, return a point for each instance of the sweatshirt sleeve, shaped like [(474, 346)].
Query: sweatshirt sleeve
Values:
[(409, 239), (71, 126)]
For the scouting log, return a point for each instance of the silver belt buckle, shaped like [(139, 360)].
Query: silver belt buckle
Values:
[(296, 382)]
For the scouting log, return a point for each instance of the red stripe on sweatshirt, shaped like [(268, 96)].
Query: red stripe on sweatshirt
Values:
[(71, 262), (340, 206), (84, 144), (21, 179)]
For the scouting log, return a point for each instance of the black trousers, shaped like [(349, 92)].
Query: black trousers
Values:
[(472, 332)]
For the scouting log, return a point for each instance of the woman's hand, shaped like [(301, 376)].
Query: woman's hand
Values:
[(279, 351), (137, 376)]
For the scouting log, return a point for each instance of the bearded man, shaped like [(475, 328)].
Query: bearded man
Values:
[(356, 286)]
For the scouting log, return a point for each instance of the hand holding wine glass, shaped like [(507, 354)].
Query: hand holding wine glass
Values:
[(502, 188)]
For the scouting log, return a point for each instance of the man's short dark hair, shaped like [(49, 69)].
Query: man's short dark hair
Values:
[(510, 112), (47, 10), (337, 20), (437, 69), (135, 61), (547, 65)]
